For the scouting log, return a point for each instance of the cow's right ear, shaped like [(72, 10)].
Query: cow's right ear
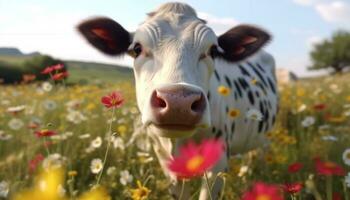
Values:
[(106, 35)]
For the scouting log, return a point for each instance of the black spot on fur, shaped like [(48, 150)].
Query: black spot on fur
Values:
[(257, 73), (260, 128), (217, 75), (238, 89), (218, 134), (272, 86), (251, 97), (228, 82), (257, 94), (233, 126), (208, 96), (243, 71), (260, 67), (243, 83)]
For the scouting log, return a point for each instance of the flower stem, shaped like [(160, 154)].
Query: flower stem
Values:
[(108, 147), (46, 146), (345, 192), (182, 189), (329, 187), (208, 187), (223, 188)]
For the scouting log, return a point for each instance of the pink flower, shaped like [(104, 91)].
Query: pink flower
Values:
[(194, 160), (293, 188), (263, 191), (35, 162), (328, 168), (47, 70), (114, 99), (295, 167), (44, 133), (59, 76), (57, 67)]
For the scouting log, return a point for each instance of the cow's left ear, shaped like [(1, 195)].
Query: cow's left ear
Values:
[(241, 42)]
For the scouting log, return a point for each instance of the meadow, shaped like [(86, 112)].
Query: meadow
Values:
[(309, 144)]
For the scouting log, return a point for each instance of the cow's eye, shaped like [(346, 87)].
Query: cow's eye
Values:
[(137, 49), (214, 52)]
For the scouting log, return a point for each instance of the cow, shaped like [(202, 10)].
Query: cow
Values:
[(179, 65)]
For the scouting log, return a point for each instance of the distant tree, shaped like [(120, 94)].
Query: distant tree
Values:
[(332, 54)]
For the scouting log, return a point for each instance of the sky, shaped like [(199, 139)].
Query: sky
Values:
[(48, 26)]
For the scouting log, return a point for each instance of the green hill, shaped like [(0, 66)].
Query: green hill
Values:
[(80, 72)]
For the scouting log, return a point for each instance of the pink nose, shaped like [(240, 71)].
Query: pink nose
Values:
[(177, 106)]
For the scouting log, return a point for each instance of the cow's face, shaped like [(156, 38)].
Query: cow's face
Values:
[(174, 54)]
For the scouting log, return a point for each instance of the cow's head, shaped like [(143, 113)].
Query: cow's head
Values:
[(174, 54)]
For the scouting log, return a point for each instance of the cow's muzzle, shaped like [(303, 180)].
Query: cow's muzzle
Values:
[(177, 107)]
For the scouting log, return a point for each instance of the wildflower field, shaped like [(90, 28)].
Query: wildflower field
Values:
[(45, 125)]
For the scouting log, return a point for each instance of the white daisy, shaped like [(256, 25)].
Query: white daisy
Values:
[(96, 165), (243, 170), (301, 108), (125, 177), (347, 180), (111, 171), (346, 156), (15, 124), (4, 136), (76, 117), (84, 136), (118, 143), (16, 109), (49, 104), (308, 121), (46, 86), (329, 138), (4, 189), (96, 143), (54, 161), (254, 114)]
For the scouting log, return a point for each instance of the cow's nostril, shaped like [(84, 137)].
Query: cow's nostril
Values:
[(158, 102), (198, 106)]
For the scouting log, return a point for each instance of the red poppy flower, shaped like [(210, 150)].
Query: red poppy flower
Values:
[(262, 191), (57, 67), (319, 107), (44, 133), (328, 168), (295, 167), (47, 70), (114, 99), (293, 188), (35, 162), (194, 160), (59, 76)]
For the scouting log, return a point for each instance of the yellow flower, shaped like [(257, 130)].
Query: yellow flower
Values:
[(97, 193), (47, 186), (348, 98), (72, 173), (90, 106), (234, 113), (254, 81), (300, 92), (224, 91), (140, 193), (122, 129)]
